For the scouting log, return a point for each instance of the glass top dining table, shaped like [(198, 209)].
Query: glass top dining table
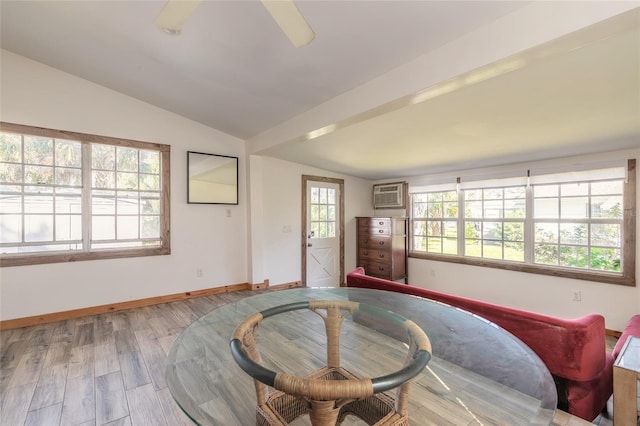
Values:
[(479, 373)]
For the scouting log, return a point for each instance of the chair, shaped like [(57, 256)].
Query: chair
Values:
[(331, 393)]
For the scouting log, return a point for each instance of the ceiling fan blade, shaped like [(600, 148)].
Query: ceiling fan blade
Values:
[(174, 14), (291, 21)]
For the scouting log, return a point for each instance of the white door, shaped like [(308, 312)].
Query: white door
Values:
[(323, 234)]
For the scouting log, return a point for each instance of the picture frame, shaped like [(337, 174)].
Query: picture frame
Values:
[(211, 178)]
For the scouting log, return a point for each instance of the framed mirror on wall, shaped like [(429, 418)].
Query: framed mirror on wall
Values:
[(211, 178)]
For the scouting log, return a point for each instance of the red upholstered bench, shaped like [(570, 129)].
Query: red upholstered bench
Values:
[(574, 350)]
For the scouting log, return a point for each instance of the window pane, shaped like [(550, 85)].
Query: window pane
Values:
[(514, 208), (38, 150), (574, 233), (331, 196), (315, 230), (434, 228), (10, 204), (514, 231), (574, 208), (127, 227), (493, 209), (127, 180), (545, 208), (103, 157), (493, 194), (149, 162), (323, 195), (572, 189), (419, 210), (127, 159), (150, 226), (38, 228), (38, 204), (473, 209), (472, 248), (322, 212), (315, 215), (472, 229), (68, 227), (127, 203), (40, 175), (315, 196), (450, 229), (435, 209), (514, 251), (434, 245), (331, 229), (68, 177), (492, 231), (331, 213), (150, 203), (419, 228), (492, 249), (10, 173), (68, 154), (150, 182), (607, 235), (575, 257), (322, 230), (610, 187), (547, 232), (450, 209), (103, 228), (546, 191), (606, 259), (546, 254), (607, 207), (10, 147), (10, 228), (515, 192), (450, 246), (475, 194), (420, 243), (104, 179), (68, 204), (103, 202)]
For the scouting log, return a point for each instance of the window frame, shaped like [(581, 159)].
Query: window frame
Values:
[(36, 258), (627, 277)]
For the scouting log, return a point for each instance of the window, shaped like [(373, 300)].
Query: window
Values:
[(68, 196), (577, 225), (323, 212)]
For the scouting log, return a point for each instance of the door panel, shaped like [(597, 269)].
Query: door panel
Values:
[(323, 234)]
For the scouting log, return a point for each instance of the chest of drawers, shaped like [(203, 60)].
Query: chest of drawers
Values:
[(382, 247)]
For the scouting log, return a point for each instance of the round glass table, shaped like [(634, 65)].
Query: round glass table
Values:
[(478, 373)]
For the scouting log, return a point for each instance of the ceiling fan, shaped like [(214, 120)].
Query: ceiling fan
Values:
[(284, 12)]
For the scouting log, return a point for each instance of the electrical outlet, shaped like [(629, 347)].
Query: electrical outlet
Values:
[(228, 212), (577, 295), (199, 273)]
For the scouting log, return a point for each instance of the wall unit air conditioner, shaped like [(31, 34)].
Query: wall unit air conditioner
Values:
[(389, 196)]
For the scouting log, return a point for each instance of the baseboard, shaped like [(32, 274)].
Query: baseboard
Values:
[(283, 286), (613, 333), (103, 309)]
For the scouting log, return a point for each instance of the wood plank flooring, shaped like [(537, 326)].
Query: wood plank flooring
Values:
[(106, 369)]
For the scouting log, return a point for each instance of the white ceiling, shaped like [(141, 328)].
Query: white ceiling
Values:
[(234, 70)]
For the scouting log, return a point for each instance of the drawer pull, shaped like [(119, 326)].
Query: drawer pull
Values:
[(381, 268), (380, 223), (381, 243), (381, 256), (381, 231), (366, 253)]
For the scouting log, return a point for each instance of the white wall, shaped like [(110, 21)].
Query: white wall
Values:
[(280, 187), (202, 235), (540, 293)]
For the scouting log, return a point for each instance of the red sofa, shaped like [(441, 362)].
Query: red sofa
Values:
[(573, 350)]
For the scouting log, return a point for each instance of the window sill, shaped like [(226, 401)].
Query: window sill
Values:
[(44, 258), (601, 277)]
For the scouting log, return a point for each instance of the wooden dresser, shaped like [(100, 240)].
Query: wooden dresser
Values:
[(382, 247)]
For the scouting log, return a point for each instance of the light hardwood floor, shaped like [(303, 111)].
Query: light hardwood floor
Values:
[(107, 369)]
